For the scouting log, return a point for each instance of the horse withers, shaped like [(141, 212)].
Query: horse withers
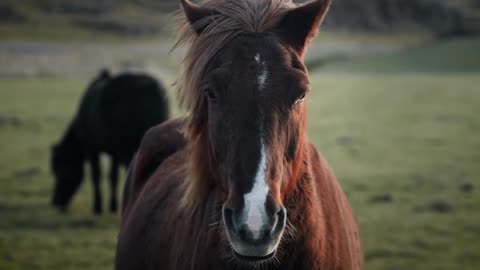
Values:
[(246, 189), (113, 116)]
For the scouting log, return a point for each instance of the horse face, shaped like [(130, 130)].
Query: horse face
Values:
[(68, 172), (255, 88)]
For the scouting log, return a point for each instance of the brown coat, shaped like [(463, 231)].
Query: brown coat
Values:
[(157, 234)]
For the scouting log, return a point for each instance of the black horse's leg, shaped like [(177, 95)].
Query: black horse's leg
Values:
[(113, 185), (97, 193)]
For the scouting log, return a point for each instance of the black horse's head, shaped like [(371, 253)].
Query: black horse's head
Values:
[(67, 168)]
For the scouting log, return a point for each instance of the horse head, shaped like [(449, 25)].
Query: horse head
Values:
[(252, 114)]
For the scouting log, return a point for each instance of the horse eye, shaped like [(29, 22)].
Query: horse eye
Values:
[(210, 95), (300, 99)]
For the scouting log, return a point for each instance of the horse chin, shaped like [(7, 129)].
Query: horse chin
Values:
[(254, 259), (254, 254)]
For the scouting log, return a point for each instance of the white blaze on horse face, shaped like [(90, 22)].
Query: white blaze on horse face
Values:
[(254, 212), (263, 76)]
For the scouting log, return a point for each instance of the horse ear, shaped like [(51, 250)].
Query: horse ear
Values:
[(104, 74), (301, 24), (197, 15)]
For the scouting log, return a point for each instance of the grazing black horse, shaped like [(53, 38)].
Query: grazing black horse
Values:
[(113, 115)]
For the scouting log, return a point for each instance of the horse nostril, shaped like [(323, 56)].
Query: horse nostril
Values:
[(243, 231), (281, 214), (279, 222), (228, 219)]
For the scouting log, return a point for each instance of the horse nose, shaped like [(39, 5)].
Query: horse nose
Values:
[(256, 230)]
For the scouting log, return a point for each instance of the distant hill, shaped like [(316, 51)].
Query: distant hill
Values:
[(442, 17), (144, 17)]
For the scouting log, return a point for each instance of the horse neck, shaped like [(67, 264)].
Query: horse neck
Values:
[(323, 226), (204, 234), (70, 143), (302, 214)]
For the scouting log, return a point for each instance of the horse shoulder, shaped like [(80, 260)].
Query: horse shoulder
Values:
[(159, 143), (338, 215)]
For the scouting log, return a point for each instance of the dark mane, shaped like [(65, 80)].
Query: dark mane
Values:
[(231, 18)]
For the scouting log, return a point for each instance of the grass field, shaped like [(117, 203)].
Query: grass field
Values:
[(405, 146)]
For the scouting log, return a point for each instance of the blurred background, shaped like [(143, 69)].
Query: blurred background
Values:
[(394, 107)]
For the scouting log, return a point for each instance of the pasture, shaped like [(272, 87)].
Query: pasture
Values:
[(404, 143)]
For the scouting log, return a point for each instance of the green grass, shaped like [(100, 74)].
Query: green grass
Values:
[(32, 235), (38, 24), (458, 55), (413, 137)]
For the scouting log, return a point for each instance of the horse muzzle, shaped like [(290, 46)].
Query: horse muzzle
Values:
[(254, 241)]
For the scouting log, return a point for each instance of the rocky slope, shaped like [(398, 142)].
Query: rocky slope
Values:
[(441, 17)]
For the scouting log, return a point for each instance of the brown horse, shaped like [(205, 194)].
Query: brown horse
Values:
[(238, 185)]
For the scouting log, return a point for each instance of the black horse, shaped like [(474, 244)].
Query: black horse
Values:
[(113, 115)]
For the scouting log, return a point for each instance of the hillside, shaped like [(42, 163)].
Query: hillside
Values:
[(145, 18), (441, 17)]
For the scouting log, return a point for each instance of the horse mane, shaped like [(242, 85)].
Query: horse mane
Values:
[(229, 19)]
